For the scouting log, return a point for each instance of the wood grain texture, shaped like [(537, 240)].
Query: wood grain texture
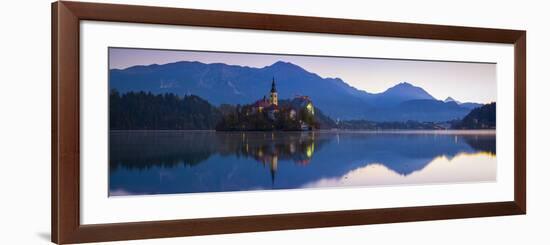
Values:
[(520, 125), (54, 139), (66, 17), (67, 125)]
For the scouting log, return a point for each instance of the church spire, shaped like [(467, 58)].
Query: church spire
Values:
[(273, 89), (273, 98)]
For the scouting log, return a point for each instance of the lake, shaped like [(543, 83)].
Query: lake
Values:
[(166, 162)]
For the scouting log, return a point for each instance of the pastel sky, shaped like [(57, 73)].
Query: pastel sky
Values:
[(464, 81)]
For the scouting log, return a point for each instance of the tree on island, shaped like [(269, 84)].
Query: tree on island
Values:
[(246, 118), (268, 114)]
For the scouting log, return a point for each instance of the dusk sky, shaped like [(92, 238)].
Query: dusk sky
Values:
[(465, 82)]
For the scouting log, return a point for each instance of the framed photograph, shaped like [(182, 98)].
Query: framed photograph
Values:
[(177, 122)]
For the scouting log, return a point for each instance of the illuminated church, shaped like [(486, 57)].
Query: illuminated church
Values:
[(273, 94), (292, 107), (270, 105)]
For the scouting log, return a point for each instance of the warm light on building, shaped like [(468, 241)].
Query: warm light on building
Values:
[(273, 97), (310, 109)]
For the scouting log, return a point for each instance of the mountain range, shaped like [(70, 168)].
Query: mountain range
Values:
[(469, 105), (220, 83)]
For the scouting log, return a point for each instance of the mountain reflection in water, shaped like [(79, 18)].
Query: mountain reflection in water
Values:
[(163, 162)]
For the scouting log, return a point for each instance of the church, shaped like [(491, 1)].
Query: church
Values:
[(293, 107), (271, 105), (270, 113)]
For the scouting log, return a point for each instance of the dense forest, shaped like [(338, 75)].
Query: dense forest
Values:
[(483, 117), (147, 111)]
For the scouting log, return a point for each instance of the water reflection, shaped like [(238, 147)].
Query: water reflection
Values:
[(204, 161)]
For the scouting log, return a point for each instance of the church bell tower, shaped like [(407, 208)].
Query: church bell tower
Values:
[(273, 95)]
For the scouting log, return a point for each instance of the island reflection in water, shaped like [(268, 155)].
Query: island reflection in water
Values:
[(164, 162)]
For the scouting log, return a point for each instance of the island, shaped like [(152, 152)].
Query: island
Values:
[(266, 114)]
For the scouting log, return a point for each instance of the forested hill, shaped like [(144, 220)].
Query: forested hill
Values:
[(147, 111), (479, 118)]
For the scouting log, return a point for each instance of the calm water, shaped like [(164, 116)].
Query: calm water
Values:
[(204, 161)]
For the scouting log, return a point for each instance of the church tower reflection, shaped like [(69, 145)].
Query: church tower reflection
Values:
[(272, 148), (273, 168)]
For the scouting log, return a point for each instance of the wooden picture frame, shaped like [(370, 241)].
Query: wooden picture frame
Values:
[(65, 175)]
